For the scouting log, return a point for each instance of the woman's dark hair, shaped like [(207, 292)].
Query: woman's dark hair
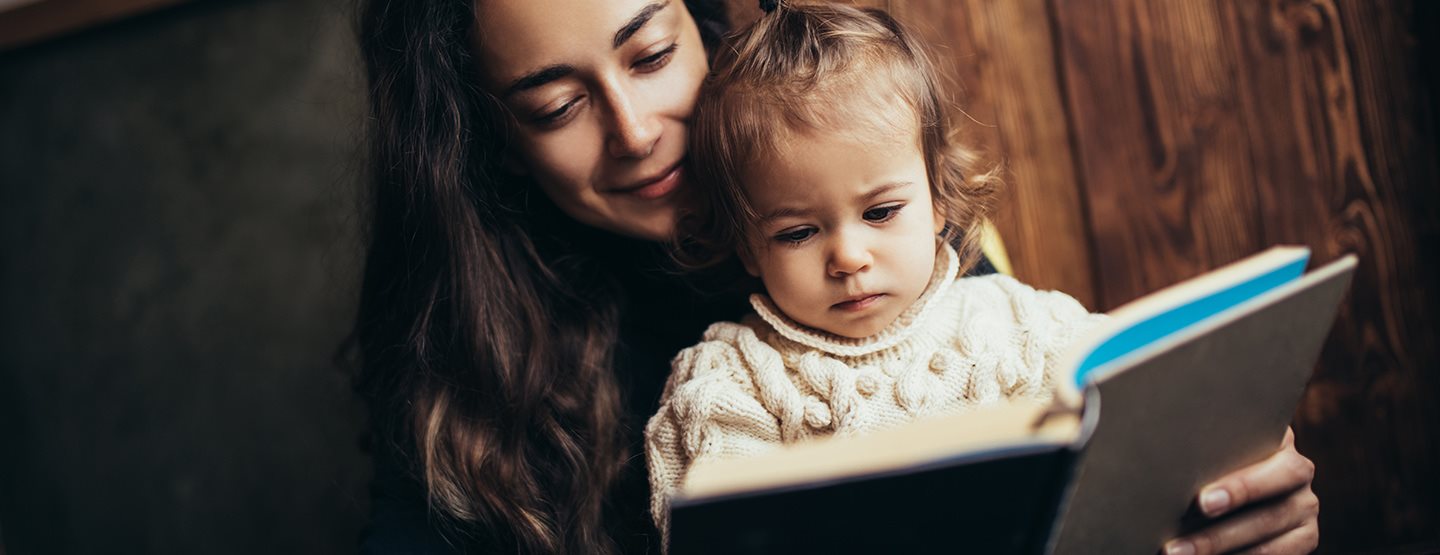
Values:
[(486, 359)]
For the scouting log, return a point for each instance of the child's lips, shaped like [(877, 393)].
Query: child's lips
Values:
[(859, 302)]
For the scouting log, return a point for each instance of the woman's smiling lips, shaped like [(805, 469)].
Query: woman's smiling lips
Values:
[(653, 188), (858, 303)]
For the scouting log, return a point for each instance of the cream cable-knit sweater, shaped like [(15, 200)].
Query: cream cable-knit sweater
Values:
[(767, 381)]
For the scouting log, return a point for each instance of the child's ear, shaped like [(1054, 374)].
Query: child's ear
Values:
[(939, 220)]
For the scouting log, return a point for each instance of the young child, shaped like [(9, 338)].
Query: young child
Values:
[(824, 157)]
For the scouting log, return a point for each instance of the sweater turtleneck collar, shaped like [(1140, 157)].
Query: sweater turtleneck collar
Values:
[(947, 265)]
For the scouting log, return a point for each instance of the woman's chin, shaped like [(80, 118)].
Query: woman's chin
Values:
[(656, 225)]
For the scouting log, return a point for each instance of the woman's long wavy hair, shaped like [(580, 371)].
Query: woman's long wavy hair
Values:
[(486, 359)]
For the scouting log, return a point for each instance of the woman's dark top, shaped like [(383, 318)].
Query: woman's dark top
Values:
[(661, 313)]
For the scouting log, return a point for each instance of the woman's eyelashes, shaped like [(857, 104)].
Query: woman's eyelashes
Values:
[(558, 117), (657, 60)]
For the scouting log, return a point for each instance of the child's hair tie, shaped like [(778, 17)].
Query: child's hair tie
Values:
[(769, 5)]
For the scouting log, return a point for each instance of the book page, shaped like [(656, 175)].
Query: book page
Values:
[(1007, 424), (1172, 309)]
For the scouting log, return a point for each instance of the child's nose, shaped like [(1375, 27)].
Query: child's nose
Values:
[(849, 256)]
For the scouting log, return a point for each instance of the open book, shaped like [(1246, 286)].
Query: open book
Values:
[(1175, 390)]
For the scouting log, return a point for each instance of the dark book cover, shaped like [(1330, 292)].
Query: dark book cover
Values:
[(991, 502)]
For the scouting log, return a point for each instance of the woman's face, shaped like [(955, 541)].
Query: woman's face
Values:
[(600, 93)]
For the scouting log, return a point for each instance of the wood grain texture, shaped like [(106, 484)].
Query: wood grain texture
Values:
[(742, 12), (32, 23), (999, 56), (1343, 147), (1160, 142)]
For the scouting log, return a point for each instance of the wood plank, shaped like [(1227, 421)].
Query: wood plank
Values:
[(1343, 142), (1152, 106), (742, 12), (31, 23), (999, 58)]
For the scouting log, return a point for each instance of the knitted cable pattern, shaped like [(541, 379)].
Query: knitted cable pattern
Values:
[(752, 386)]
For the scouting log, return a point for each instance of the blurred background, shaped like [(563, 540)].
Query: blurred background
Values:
[(180, 237), (180, 258)]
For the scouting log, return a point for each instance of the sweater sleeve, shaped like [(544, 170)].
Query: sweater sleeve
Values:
[(708, 411)]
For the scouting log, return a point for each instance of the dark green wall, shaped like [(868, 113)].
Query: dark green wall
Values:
[(178, 266)]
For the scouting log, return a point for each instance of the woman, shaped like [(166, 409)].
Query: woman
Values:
[(514, 326)]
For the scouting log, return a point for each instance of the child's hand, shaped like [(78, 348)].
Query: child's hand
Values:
[(1267, 507)]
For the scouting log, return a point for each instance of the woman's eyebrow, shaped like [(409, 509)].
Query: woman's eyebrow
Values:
[(641, 18), (537, 78), (545, 75)]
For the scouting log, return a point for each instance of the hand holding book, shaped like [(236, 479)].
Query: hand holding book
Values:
[(1266, 507)]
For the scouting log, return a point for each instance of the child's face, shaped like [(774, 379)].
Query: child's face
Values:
[(846, 236)]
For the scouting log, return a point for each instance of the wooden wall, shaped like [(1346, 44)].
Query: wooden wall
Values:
[(25, 22), (1146, 141)]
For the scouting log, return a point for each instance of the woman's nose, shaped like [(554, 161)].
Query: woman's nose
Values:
[(634, 128), (848, 256)]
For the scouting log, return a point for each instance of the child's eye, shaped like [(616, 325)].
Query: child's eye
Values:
[(795, 236), (657, 60), (882, 213)]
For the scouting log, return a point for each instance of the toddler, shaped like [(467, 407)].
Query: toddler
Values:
[(823, 156)]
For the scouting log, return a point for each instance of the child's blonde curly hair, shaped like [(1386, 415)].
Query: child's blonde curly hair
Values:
[(821, 68)]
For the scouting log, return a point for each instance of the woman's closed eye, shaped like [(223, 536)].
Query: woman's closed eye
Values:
[(557, 117), (881, 214), (560, 116), (657, 60)]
